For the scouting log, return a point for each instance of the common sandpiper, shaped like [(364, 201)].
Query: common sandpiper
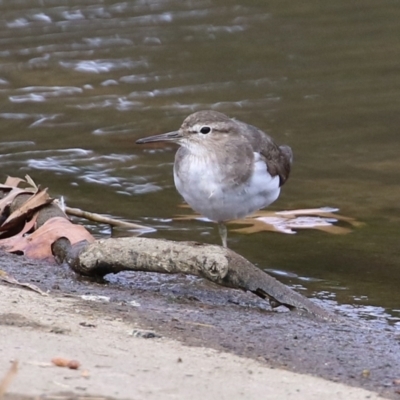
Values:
[(226, 169)]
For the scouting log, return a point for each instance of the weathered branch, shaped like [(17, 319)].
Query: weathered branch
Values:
[(22, 209), (217, 264), (77, 212)]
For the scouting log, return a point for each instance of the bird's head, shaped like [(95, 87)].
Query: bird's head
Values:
[(203, 128)]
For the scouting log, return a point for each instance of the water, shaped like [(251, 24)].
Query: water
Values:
[(81, 81)]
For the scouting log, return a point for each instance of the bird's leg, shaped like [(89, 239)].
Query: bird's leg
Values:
[(223, 232)]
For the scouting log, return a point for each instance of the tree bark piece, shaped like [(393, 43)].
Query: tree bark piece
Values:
[(217, 264)]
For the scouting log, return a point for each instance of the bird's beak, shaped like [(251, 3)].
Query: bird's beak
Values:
[(164, 137)]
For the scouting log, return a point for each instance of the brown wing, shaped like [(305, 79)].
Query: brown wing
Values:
[(278, 158)]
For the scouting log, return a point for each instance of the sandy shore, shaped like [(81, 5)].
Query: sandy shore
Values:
[(117, 363)]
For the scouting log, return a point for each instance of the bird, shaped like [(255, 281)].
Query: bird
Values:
[(225, 169)]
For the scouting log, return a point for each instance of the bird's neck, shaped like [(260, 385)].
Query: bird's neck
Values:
[(202, 152)]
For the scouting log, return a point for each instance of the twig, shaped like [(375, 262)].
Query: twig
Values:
[(77, 212)]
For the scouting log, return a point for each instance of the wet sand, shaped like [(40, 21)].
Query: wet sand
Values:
[(175, 337)]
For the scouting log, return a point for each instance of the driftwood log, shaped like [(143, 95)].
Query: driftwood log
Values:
[(25, 209), (98, 258), (217, 264)]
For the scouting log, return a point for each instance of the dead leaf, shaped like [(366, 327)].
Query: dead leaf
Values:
[(30, 181), (11, 241), (38, 244), (38, 199), (289, 225), (6, 200), (13, 181), (64, 362), (11, 280), (6, 381), (60, 361), (324, 212), (288, 222)]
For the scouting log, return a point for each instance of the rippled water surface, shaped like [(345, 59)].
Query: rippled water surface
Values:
[(81, 81)]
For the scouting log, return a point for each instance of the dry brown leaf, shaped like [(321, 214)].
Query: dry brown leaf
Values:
[(288, 225), (333, 229), (13, 181), (5, 277), (315, 211), (11, 185), (5, 201), (38, 244), (31, 182), (6, 381), (10, 241), (65, 362), (288, 222), (60, 361), (6, 187), (40, 198)]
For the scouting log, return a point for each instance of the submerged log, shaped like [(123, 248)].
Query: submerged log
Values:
[(215, 263)]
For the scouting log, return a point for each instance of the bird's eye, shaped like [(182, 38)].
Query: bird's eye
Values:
[(205, 129)]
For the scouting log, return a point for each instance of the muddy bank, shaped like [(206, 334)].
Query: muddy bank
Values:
[(197, 313)]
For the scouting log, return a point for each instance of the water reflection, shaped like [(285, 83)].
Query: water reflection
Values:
[(80, 81)]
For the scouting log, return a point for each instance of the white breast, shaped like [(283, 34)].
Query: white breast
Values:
[(201, 186)]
